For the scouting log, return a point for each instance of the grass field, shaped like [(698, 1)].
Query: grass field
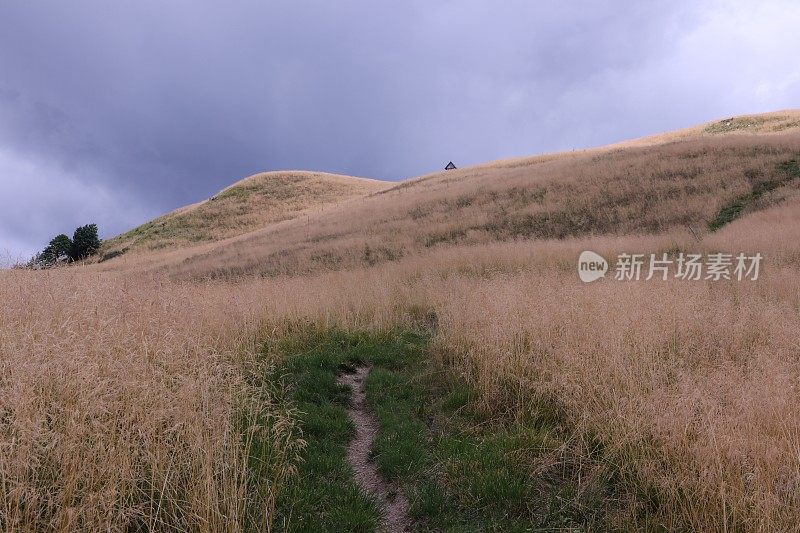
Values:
[(195, 388), (249, 204)]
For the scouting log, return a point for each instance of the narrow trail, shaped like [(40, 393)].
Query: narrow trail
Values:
[(391, 499)]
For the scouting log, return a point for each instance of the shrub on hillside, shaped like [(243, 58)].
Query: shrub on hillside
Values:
[(58, 250), (85, 242)]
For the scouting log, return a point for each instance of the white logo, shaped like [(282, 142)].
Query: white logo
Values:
[(591, 266)]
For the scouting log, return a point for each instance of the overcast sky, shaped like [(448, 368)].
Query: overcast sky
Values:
[(115, 112)]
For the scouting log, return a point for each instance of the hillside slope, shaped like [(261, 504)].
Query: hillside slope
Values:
[(249, 204), (692, 180), (761, 124), (692, 185), (625, 405)]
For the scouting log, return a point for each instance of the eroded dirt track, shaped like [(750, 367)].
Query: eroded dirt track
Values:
[(391, 499)]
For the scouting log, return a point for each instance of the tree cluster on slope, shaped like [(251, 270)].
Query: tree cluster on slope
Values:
[(84, 243)]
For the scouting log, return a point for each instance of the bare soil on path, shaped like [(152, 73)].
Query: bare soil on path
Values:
[(391, 499)]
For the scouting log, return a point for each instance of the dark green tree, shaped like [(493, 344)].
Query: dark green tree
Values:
[(60, 246), (59, 249), (85, 242), (45, 258)]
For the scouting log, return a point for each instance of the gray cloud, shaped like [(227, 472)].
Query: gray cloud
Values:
[(115, 112)]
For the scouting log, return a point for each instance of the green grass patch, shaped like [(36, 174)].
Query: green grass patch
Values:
[(729, 212), (322, 496), (463, 468), (112, 254), (738, 123)]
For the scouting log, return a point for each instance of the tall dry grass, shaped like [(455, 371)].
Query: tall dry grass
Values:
[(120, 397), (136, 403), (125, 404), (651, 189), (692, 387), (125, 394)]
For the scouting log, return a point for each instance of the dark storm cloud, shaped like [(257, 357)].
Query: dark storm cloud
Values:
[(116, 111)]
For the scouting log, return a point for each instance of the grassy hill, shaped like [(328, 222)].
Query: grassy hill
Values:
[(198, 387), (691, 182), (682, 179), (249, 204)]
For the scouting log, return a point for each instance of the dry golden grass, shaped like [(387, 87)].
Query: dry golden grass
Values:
[(249, 204), (621, 191), (123, 383), (691, 386), (762, 124), (124, 404)]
